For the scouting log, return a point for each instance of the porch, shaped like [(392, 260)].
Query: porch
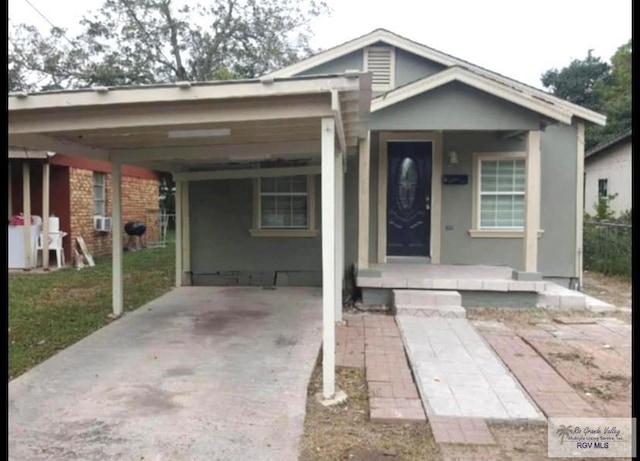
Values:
[(444, 277), (478, 285)]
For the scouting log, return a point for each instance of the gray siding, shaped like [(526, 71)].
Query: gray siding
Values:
[(457, 246), (223, 251), (410, 67), (454, 106), (557, 246), (349, 61)]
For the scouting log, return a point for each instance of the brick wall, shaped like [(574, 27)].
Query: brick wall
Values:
[(138, 196)]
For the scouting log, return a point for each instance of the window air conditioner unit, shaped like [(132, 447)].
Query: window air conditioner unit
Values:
[(102, 223)]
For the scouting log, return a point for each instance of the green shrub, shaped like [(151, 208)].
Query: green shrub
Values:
[(607, 248)]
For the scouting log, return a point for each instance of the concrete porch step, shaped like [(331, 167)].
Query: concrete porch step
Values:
[(427, 297), (428, 303), (559, 297)]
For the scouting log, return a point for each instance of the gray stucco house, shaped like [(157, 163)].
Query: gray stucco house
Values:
[(380, 164), (458, 156)]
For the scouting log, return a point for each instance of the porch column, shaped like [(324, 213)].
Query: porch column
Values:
[(532, 201), (45, 214), (186, 234), (26, 214), (116, 237), (339, 232), (328, 175), (178, 201), (363, 202)]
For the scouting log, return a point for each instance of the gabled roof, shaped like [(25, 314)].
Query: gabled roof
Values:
[(383, 35), (474, 80), (618, 138)]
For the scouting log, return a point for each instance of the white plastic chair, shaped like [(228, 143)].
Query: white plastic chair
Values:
[(55, 244)]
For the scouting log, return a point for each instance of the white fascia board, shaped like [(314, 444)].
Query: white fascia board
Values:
[(48, 143), (475, 81), (233, 90)]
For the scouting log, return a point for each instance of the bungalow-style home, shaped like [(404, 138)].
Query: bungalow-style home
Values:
[(607, 173), (381, 163), (78, 193)]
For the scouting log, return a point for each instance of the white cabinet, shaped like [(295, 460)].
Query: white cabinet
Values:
[(16, 245)]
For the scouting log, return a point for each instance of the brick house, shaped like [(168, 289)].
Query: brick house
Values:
[(80, 189)]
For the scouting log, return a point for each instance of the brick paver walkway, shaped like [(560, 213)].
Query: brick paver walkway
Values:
[(350, 342), (393, 396), (461, 430), (554, 396)]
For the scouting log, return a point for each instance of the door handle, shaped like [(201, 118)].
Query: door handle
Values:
[(427, 203)]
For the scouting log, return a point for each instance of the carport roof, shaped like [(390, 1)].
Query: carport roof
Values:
[(172, 126)]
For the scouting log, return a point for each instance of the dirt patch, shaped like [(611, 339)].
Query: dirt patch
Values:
[(344, 432), (611, 289), (72, 295)]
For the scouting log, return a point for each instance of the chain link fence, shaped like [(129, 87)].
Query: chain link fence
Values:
[(607, 247)]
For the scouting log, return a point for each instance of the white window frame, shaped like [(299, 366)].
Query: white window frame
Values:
[(392, 67), (309, 231), (493, 232), (94, 185)]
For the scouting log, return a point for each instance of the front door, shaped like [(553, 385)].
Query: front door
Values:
[(409, 198)]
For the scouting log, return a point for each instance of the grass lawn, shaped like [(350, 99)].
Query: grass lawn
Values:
[(50, 311)]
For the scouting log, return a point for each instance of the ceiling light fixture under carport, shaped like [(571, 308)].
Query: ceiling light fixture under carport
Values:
[(199, 133)]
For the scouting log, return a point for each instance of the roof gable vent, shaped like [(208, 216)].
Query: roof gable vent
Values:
[(380, 61)]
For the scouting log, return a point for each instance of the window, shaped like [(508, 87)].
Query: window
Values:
[(602, 187), (284, 206), (380, 60), (99, 194), (501, 193)]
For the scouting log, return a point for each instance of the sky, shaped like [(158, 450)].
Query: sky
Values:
[(515, 38)]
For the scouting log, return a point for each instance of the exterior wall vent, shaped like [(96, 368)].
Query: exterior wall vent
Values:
[(380, 61)]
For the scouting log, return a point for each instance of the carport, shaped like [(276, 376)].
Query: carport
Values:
[(196, 131)]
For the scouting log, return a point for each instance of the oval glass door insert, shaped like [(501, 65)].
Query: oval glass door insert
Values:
[(407, 183)]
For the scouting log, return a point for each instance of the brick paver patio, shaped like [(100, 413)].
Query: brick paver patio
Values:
[(554, 396)]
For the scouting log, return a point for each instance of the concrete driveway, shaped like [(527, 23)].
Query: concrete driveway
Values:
[(201, 373)]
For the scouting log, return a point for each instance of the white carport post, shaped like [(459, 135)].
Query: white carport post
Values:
[(46, 171), (116, 234), (178, 222), (339, 175), (10, 182), (329, 231), (26, 214), (186, 235)]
